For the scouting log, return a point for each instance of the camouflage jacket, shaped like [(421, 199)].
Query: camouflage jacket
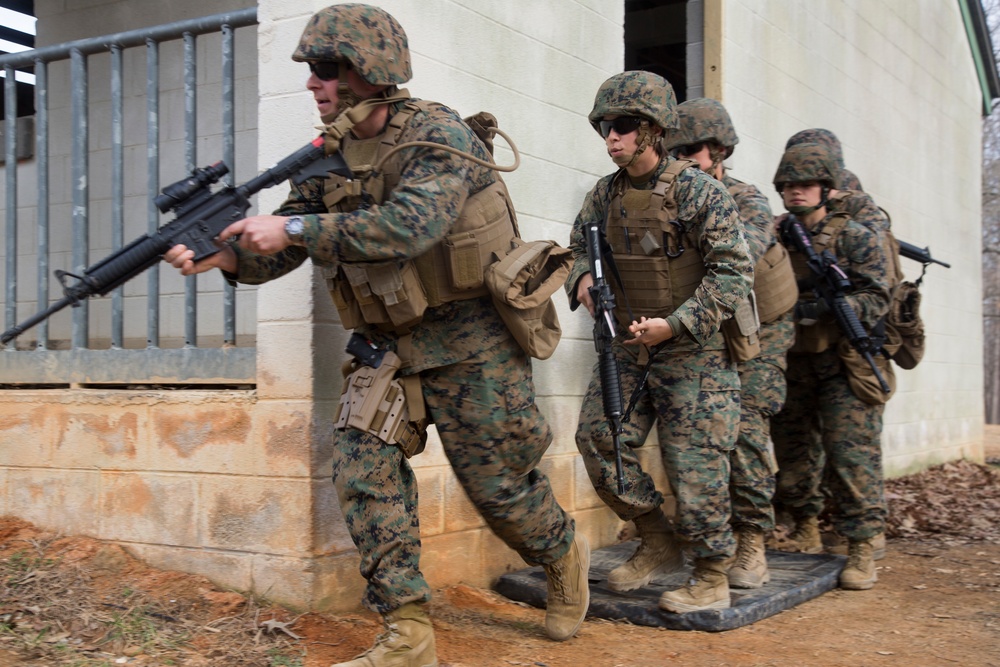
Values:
[(861, 207), (860, 253), (755, 212), (705, 208), (414, 217)]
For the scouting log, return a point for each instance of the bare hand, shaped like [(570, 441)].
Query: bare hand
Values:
[(649, 331), (261, 234), (180, 257), (583, 292)]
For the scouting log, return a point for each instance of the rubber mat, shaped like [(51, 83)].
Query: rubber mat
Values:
[(795, 578)]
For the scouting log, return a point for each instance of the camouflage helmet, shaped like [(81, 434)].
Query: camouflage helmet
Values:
[(367, 37), (703, 119), (806, 162), (818, 135), (636, 93)]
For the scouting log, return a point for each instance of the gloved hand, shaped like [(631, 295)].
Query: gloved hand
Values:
[(807, 313)]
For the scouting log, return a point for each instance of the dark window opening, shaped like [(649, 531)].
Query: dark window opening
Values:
[(17, 33), (656, 40)]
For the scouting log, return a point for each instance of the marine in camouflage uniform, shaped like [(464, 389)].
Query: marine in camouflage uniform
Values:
[(848, 197), (707, 134), (475, 380), (823, 417), (693, 387)]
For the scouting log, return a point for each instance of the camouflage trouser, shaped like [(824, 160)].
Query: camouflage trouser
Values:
[(694, 399), (823, 421), (762, 394), (493, 435)]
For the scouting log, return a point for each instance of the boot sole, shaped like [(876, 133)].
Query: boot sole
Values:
[(859, 585), (665, 569), (681, 608)]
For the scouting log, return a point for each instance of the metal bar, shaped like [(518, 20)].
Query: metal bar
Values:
[(152, 183), (117, 191), (198, 26), (42, 174), (229, 155), (81, 188), (10, 153), (191, 158)]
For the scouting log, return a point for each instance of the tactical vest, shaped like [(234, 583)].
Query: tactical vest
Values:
[(774, 286), (825, 332), (659, 265), (394, 295)]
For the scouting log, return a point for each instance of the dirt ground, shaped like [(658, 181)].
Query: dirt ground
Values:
[(75, 601)]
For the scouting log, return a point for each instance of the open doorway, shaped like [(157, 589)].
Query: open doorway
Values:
[(667, 37), (17, 33)]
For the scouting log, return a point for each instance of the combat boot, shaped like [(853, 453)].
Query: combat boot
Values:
[(707, 589), (408, 641), (878, 547), (568, 590), (805, 537), (749, 568), (859, 572), (659, 553)]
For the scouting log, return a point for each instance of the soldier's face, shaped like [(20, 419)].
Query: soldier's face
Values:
[(621, 140), (699, 152), (806, 193), (325, 93)]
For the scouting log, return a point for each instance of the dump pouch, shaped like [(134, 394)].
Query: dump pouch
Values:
[(860, 377), (904, 319), (522, 284)]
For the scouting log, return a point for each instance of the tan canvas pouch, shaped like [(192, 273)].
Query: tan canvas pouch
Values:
[(522, 284), (862, 380), (742, 330)]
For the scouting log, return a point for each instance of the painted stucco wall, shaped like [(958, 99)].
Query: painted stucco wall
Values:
[(896, 82)]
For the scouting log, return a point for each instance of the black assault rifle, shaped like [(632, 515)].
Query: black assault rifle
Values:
[(201, 215), (604, 334), (831, 284)]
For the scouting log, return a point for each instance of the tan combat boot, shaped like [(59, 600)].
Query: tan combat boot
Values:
[(707, 589), (806, 537), (568, 590), (408, 641), (878, 547), (859, 572), (659, 552), (749, 569)]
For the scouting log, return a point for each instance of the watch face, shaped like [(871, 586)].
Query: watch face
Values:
[(294, 227)]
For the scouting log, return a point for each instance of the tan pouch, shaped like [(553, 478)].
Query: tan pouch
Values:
[(742, 331), (863, 382), (522, 284), (904, 318), (343, 298), (774, 284)]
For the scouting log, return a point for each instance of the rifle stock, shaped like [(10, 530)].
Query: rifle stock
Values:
[(200, 216)]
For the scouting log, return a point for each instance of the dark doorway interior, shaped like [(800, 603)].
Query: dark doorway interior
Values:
[(656, 40), (25, 91)]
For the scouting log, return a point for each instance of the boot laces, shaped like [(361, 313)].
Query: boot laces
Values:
[(856, 552), (557, 577), (744, 553)]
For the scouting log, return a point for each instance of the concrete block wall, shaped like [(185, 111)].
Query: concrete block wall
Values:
[(895, 81)]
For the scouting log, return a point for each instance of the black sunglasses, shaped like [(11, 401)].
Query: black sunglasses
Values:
[(690, 149), (325, 70), (621, 125)]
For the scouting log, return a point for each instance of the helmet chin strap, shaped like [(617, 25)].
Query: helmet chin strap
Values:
[(338, 125), (644, 141)]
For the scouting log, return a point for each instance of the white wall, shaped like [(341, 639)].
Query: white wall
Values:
[(895, 80)]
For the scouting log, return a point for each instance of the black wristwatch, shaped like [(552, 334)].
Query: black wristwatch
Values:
[(294, 227)]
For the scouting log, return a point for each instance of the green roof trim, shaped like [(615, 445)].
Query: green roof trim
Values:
[(978, 33)]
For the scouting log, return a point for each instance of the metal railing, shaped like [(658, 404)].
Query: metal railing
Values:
[(42, 363)]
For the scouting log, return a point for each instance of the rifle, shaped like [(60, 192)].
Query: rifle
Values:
[(604, 334), (831, 285), (922, 255), (201, 215)]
